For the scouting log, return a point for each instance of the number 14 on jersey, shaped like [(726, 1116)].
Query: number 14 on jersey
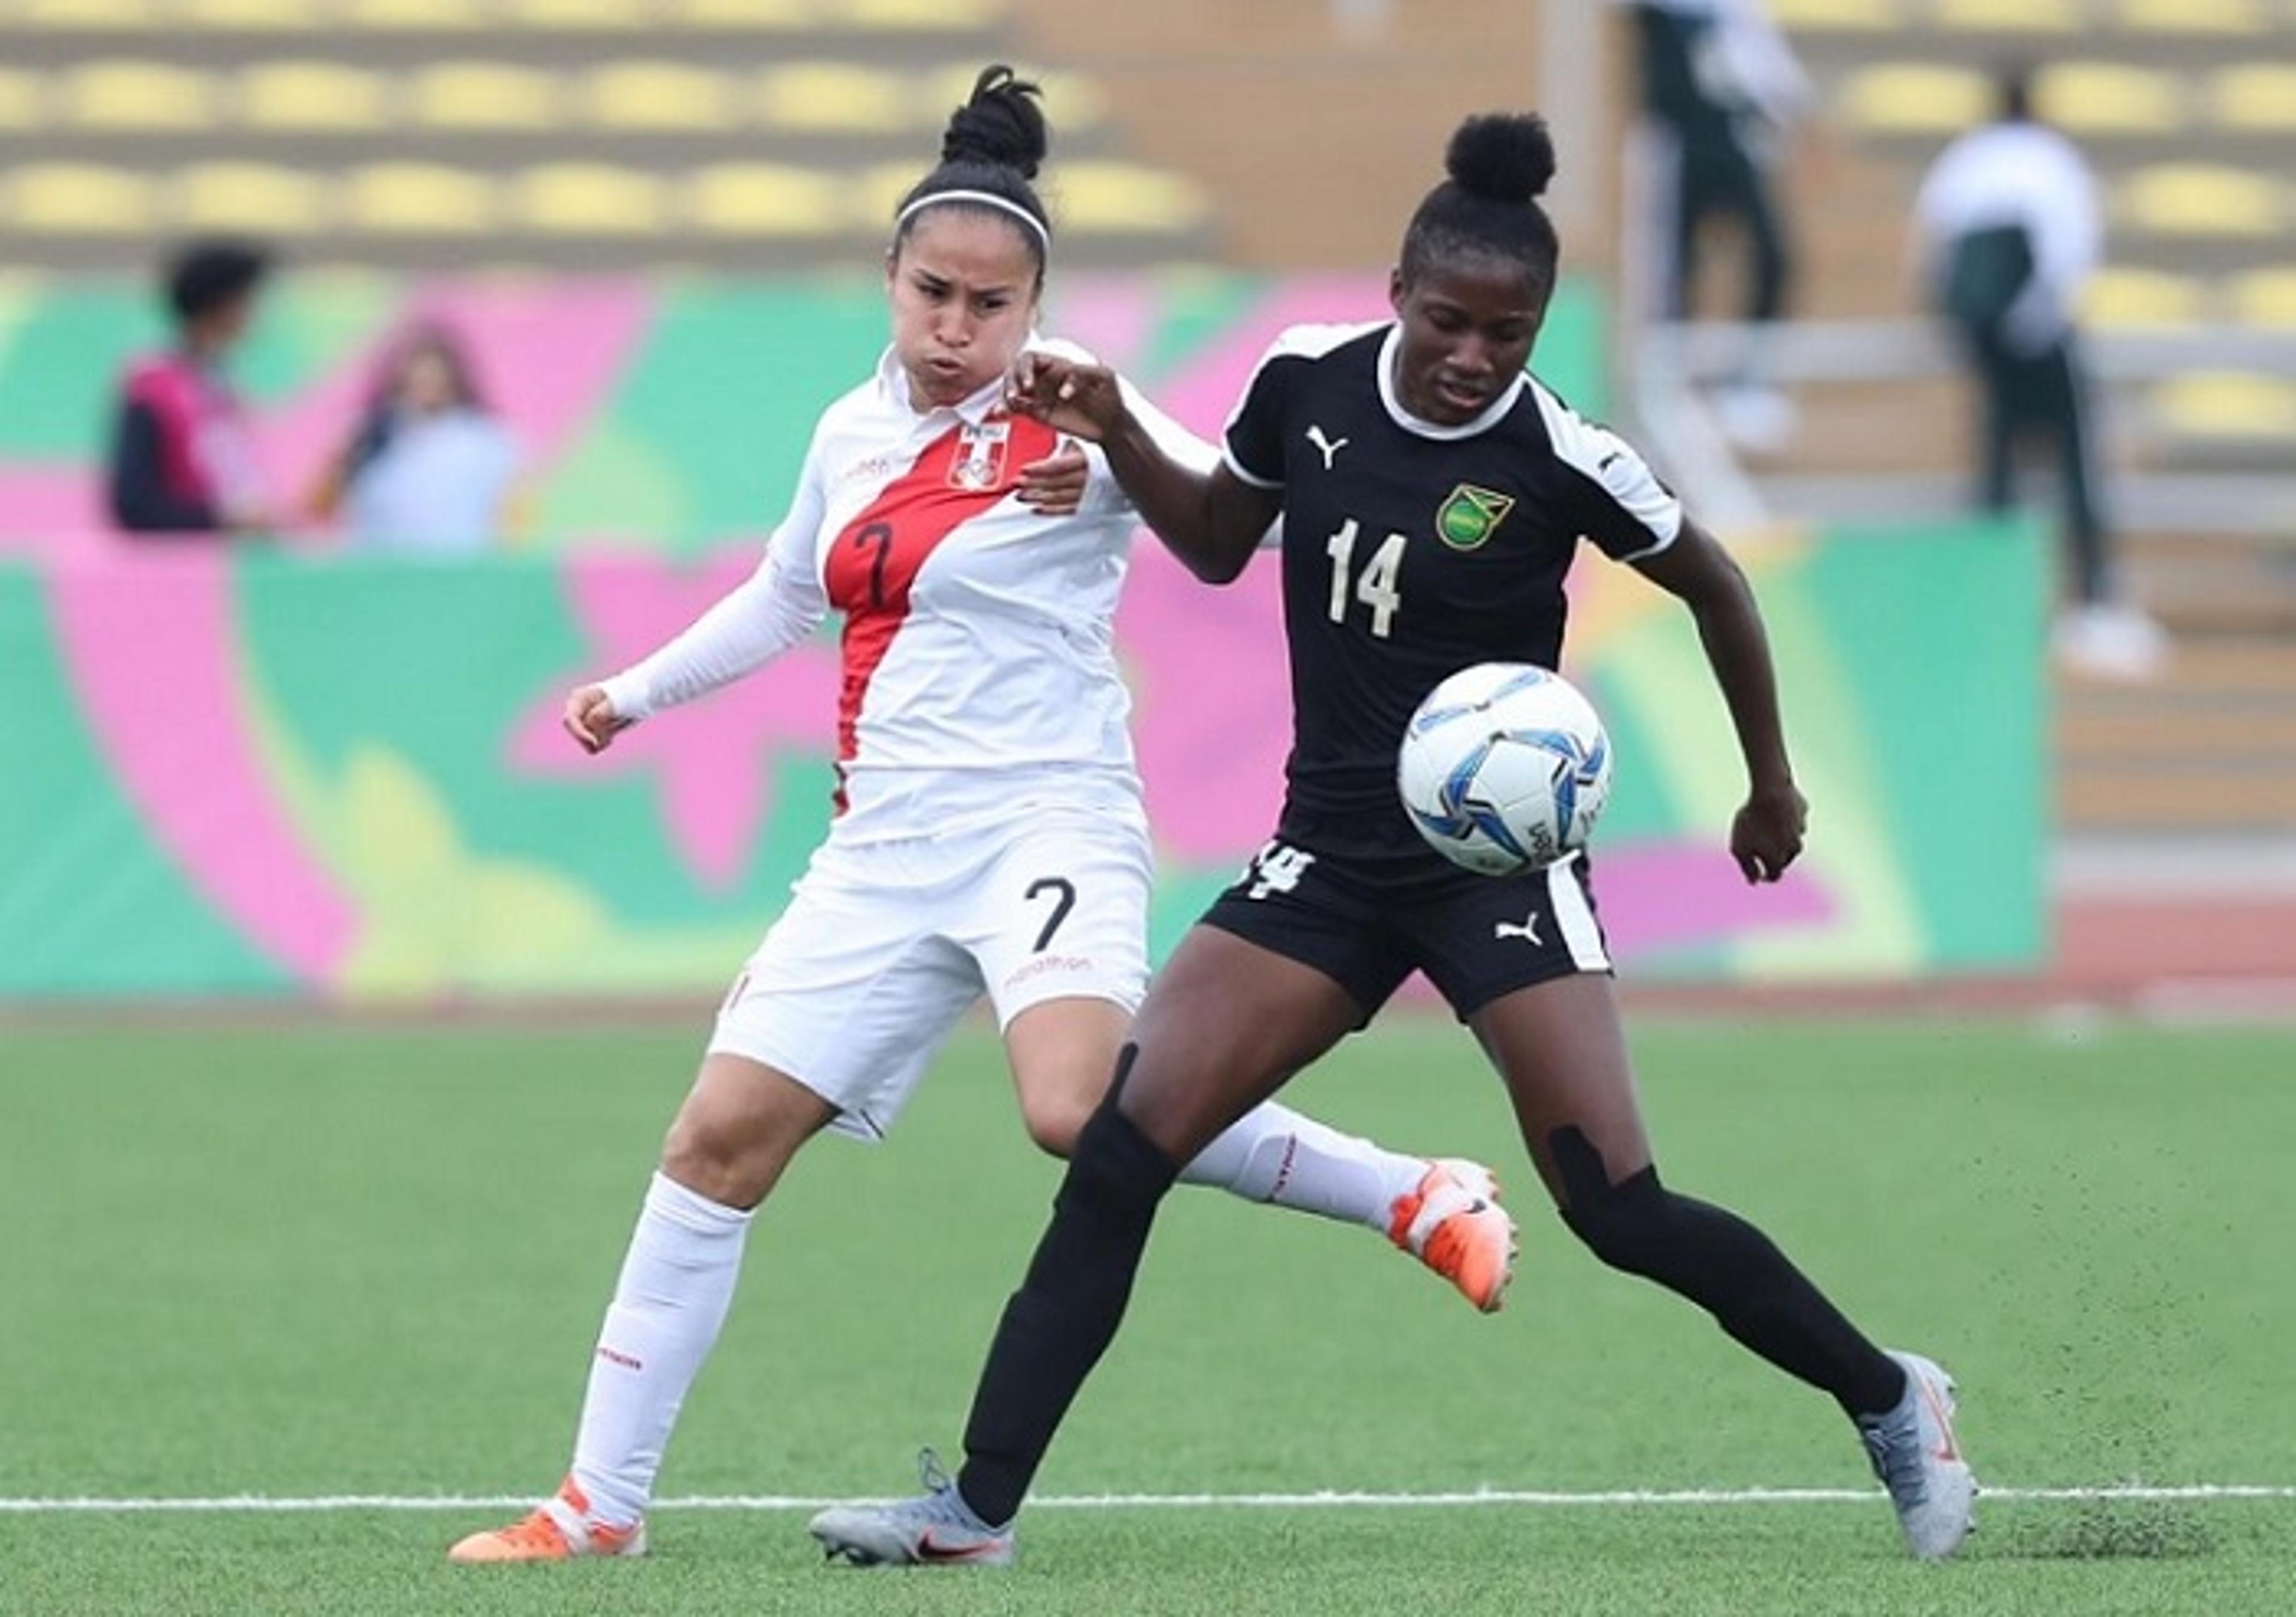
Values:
[(1376, 588)]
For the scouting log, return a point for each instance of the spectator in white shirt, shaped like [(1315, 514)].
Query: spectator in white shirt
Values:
[(430, 468), (2008, 232)]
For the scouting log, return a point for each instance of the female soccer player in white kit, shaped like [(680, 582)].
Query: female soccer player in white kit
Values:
[(990, 835)]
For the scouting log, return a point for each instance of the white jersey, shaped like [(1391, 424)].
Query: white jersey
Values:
[(979, 646)]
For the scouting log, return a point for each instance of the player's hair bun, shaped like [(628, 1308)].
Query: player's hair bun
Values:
[(1502, 156), (1001, 125)]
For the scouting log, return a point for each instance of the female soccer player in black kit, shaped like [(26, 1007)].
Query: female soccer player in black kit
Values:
[(1433, 495)]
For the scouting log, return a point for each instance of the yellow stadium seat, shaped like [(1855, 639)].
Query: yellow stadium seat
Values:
[(414, 16), (2132, 299), (2196, 16), (573, 15), (90, 14), (23, 106), (1072, 100), (1109, 199), (79, 199), (2227, 404), (763, 200), (2265, 297), (420, 198), (120, 95), (2261, 95), (483, 95), (313, 95), (833, 97), (776, 14), (2199, 198), (2111, 98), (915, 16), (660, 95), (258, 198), (2011, 16), (590, 198), (1915, 98), (250, 16), (873, 195), (1815, 15)]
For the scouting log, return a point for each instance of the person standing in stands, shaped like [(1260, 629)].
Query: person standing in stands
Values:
[(183, 459), (2008, 231)]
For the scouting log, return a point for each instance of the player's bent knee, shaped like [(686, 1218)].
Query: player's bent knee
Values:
[(1054, 1124), (1628, 1225), (1116, 1170)]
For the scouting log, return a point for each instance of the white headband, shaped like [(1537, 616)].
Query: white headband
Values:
[(984, 199)]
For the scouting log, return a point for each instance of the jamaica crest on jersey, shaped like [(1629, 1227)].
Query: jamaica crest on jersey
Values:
[(979, 463)]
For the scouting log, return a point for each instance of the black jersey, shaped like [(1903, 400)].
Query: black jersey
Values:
[(1412, 551)]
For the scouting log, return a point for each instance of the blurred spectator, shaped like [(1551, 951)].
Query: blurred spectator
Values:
[(182, 460), (429, 468), (1724, 87), (2008, 232)]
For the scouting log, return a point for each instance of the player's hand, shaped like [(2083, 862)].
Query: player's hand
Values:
[(591, 720), (1082, 400), (1054, 486), (1767, 835)]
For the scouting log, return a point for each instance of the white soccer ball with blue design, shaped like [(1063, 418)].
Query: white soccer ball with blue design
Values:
[(1505, 767)]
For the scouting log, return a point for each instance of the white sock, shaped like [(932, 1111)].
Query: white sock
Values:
[(676, 1285), (1272, 1154)]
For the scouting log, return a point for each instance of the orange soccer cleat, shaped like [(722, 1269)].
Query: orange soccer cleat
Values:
[(559, 1530), (1454, 1224)]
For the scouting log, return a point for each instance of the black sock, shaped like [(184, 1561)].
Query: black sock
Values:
[(1733, 1271), (1063, 1318)]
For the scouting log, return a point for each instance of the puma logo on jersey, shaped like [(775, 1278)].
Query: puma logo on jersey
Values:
[(1328, 448), (1528, 932)]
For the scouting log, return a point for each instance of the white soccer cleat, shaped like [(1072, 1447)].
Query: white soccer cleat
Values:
[(1918, 1458), (936, 1529)]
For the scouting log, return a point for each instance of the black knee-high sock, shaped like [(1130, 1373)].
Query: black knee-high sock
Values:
[(1063, 1318), (1729, 1268)]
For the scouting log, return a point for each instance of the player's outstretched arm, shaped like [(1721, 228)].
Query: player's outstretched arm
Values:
[(1211, 521), (1767, 835)]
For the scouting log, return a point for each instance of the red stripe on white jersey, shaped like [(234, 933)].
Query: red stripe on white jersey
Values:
[(875, 560)]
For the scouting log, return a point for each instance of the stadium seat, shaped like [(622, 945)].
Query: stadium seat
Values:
[(2259, 96), (420, 198), (413, 16), (327, 95), (763, 200), (915, 16), (591, 199), (1914, 98), (2196, 16), (249, 16), (1109, 199), (776, 14), (819, 97), (2265, 297), (79, 199), (121, 95), (1817, 15), (483, 95), (659, 95), (2139, 299), (85, 14), (2227, 404), (577, 15), (261, 199), (2010, 16), (2201, 200), (2111, 98), (23, 106)]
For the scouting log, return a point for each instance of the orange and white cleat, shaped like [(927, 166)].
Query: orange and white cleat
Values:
[(1454, 1224), (560, 1529)]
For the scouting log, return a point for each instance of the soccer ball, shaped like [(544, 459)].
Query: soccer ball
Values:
[(1505, 767)]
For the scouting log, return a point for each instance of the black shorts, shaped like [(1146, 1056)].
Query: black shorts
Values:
[(1476, 937)]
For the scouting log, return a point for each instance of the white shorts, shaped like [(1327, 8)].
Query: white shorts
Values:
[(884, 946)]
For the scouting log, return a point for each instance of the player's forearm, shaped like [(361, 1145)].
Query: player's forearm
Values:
[(1178, 503), (751, 625), (1737, 646)]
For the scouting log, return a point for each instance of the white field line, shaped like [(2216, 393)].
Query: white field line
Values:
[(269, 1504)]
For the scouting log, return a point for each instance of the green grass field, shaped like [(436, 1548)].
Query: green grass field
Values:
[(329, 1261)]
